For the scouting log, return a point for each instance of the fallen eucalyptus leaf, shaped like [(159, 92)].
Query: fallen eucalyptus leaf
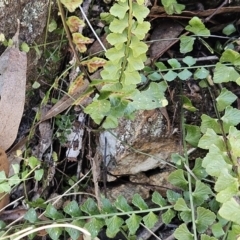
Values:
[(13, 67)]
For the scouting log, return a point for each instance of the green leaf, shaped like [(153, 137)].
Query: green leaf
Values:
[(186, 43), (214, 162), (2, 225), (51, 212), (198, 170), (189, 60), (154, 76), (217, 230), (33, 162), (36, 85), (231, 56), (118, 25), (193, 134), (224, 181), (98, 109), (171, 7), (197, 27), (54, 233), (227, 193), (71, 5), (72, 209), (133, 223), (230, 210), (52, 26), (168, 216), (206, 237), (131, 77), (150, 219), (205, 218), (119, 9), (181, 205), (173, 196), (107, 206), (90, 207), (151, 98), (224, 73), (208, 122), (122, 204), (226, 98), (31, 215), (201, 73), (14, 180), (113, 226), (114, 38), (158, 199), (210, 138), (174, 63), (73, 233), (138, 48), (24, 47), (177, 179), (231, 116), (186, 216), (111, 72), (233, 137), (170, 75), (229, 29), (182, 232), (139, 12), (201, 193), (177, 159), (4, 187), (141, 29), (114, 54), (234, 233), (185, 74), (160, 65), (187, 104), (38, 174), (135, 63), (139, 202), (94, 226)]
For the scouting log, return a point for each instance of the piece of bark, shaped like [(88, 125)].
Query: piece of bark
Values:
[(13, 67)]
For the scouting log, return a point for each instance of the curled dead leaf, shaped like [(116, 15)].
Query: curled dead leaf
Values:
[(75, 24), (81, 41), (94, 63), (76, 84)]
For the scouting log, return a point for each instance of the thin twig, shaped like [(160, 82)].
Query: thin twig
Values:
[(209, 17), (89, 24)]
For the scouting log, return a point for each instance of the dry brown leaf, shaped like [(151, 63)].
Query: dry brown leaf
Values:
[(13, 67), (81, 41), (94, 63), (75, 24), (4, 166), (66, 101)]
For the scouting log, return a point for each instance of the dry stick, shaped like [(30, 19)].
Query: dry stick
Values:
[(209, 17), (90, 26), (200, 59)]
